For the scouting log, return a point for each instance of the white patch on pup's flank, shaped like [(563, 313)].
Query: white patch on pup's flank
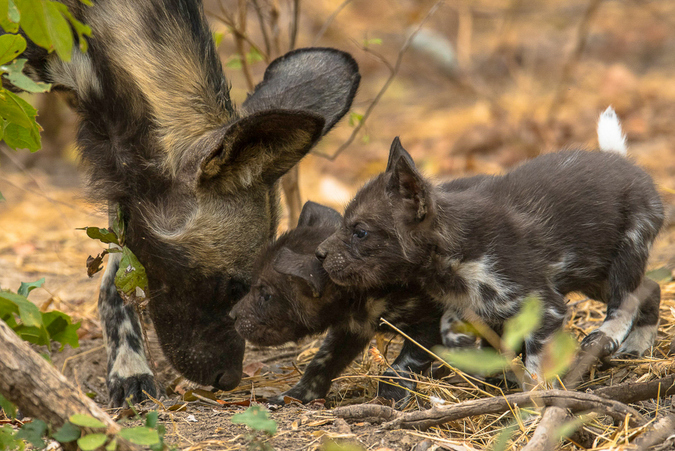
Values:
[(610, 135)]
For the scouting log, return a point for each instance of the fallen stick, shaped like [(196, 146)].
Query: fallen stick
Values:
[(574, 401), (40, 391), (662, 430), (546, 436)]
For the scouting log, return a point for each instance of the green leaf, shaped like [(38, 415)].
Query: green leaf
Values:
[(86, 421), (517, 328), (8, 407), (29, 313), (106, 236), (11, 46), (33, 432), (21, 130), (558, 355), (32, 334), (13, 110), (480, 361), (662, 274), (140, 435), (354, 118), (44, 24), (233, 62), (151, 419), (254, 56), (81, 29), (2, 198), (8, 439), (91, 441), (27, 287), (218, 38), (9, 16), (131, 273), (374, 41), (257, 418), (67, 433), (60, 328), (112, 446), (14, 73)]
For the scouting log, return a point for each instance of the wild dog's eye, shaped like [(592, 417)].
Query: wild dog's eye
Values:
[(264, 296), (360, 233)]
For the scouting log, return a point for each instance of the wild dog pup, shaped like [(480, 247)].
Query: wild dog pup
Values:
[(292, 297), (567, 221)]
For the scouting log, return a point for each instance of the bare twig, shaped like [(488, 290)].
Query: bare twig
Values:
[(239, 42), (384, 88), (437, 415), (229, 23), (263, 28), (274, 26), (661, 431), (545, 437), (329, 21), (293, 33), (573, 59)]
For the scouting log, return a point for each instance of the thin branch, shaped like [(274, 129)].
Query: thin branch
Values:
[(329, 21), (263, 28), (275, 12), (662, 430), (545, 436), (573, 59), (293, 34), (575, 401), (384, 88), (239, 42)]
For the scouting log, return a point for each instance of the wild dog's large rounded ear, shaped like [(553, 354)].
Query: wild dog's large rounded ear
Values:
[(408, 185), (321, 81), (305, 267), (314, 214), (397, 151), (264, 145)]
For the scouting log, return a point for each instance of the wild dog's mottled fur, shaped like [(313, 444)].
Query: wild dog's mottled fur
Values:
[(195, 178), (568, 221), (292, 297)]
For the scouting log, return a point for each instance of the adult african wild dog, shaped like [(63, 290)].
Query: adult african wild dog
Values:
[(195, 178), (562, 222), (292, 297)]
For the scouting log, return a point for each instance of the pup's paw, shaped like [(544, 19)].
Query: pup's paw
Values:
[(598, 343)]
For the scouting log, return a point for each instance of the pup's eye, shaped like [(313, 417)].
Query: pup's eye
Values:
[(360, 233), (264, 296)]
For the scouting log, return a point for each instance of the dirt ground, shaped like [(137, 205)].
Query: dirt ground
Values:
[(519, 104)]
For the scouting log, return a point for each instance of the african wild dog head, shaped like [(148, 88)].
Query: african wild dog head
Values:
[(195, 177), (369, 250), (291, 296)]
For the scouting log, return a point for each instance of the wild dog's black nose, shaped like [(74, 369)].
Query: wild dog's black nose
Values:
[(228, 380), (320, 253)]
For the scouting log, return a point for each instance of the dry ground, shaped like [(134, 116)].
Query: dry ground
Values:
[(516, 61)]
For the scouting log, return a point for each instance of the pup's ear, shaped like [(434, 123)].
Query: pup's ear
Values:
[(314, 214), (305, 267), (408, 185), (397, 151)]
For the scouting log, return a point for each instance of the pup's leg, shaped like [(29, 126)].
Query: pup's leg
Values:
[(128, 370), (451, 331), (643, 333), (411, 360), (337, 351), (553, 316), (636, 313)]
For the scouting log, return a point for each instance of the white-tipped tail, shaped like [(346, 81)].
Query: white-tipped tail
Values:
[(610, 135)]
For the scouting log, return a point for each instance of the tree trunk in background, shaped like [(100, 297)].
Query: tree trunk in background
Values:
[(290, 183)]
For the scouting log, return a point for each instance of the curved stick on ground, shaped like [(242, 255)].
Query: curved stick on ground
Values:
[(661, 431), (546, 435), (40, 391), (435, 416)]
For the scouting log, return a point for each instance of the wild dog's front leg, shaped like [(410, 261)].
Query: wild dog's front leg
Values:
[(128, 370), (412, 360), (337, 351)]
